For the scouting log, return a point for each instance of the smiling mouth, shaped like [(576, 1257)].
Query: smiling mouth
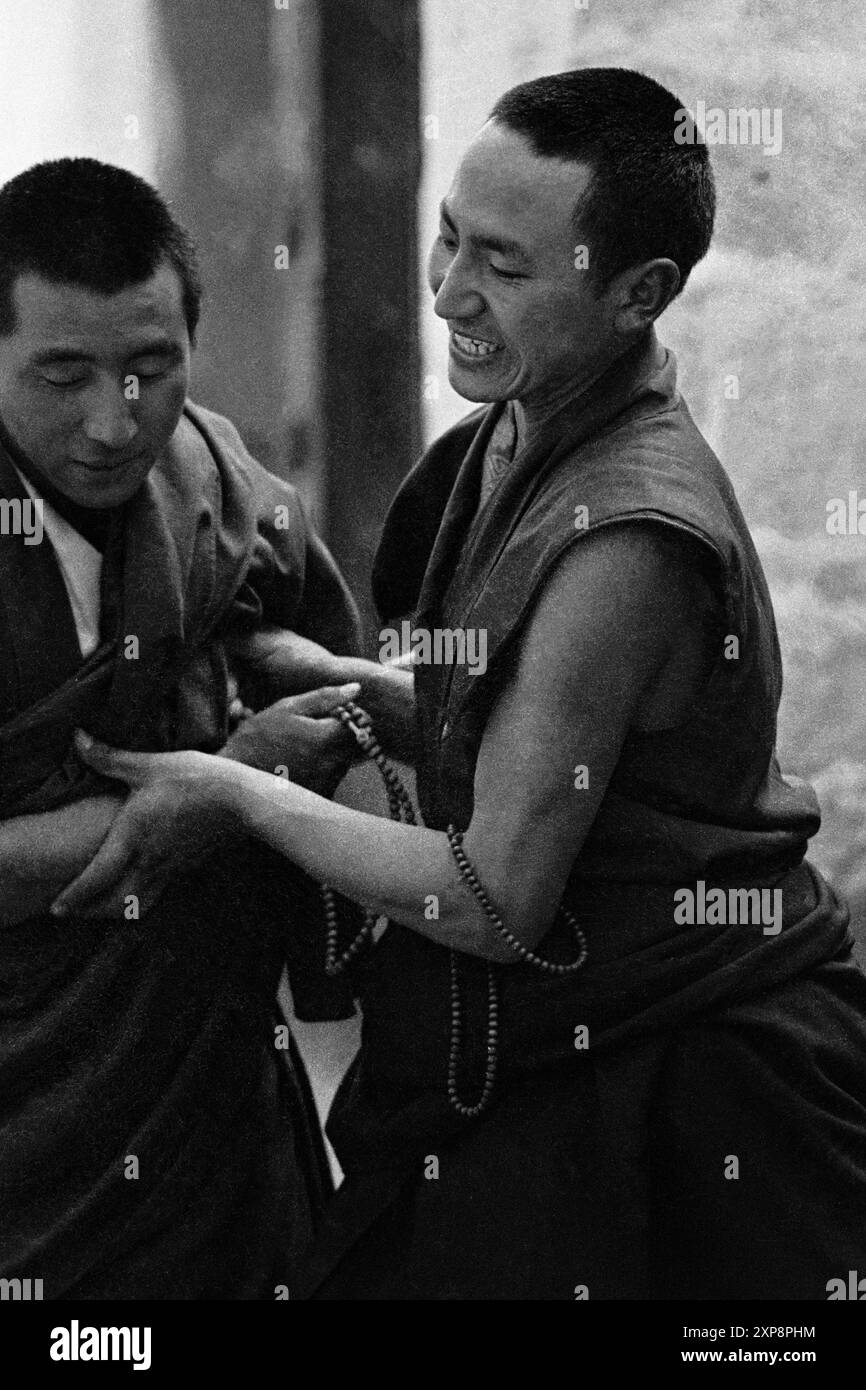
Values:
[(108, 467), (474, 347)]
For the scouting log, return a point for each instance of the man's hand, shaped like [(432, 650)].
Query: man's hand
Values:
[(298, 738), (175, 816), (40, 853), (388, 696), (179, 811), (282, 663)]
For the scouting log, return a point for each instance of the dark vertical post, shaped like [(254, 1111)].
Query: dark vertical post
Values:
[(300, 132), (225, 183), (371, 366)]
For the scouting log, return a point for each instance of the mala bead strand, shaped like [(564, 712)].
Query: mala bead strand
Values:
[(469, 876), (335, 960), (358, 722), (400, 808), (470, 1111)]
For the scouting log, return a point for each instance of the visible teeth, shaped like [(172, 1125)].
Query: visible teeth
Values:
[(476, 347)]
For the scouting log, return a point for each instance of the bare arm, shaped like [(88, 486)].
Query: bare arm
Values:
[(612, 619), (578, 687)]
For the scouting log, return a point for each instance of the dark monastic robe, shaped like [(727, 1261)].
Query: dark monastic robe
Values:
[(607, 1171), (154, 1040)]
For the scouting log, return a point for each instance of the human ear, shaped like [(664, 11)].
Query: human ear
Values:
[(644, 292)]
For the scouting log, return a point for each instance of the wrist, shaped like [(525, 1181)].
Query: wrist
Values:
[(237, 789)]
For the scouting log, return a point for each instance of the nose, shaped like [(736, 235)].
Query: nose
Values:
[(109, 421), (451, 281)]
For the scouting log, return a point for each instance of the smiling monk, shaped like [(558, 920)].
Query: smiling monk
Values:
[(562, 1090)]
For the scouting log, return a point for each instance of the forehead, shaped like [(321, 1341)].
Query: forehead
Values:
[(502, 186), (49, 312)]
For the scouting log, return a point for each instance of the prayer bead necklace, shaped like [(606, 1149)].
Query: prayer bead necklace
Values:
[(358, 722)]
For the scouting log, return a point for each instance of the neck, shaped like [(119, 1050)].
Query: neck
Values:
[(533, 413)]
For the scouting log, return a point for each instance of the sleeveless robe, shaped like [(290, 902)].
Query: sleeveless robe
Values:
[(603, 1168)]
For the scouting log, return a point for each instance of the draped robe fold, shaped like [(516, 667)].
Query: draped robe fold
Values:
[(154, 1142)]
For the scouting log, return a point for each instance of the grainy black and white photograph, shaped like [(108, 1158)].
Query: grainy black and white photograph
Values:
[(432, 670)]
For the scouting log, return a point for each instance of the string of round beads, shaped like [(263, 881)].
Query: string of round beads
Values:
[(469, 876), (470, 1111), (400, 808), (358, 722)]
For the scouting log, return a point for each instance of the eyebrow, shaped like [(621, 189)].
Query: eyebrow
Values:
[(505, 246), (61, 356)]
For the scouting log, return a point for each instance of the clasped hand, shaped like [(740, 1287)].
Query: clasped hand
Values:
[(183, 806)]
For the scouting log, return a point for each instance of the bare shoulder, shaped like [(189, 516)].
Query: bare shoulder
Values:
[(637, 605), (634, 572)]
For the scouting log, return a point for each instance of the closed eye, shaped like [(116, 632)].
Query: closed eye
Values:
[(64, 383), (154, 366)]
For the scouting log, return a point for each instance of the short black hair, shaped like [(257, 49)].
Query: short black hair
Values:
[(81, 222), (649, 195)]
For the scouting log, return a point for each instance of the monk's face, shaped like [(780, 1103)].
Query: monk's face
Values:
[(524, 320), (92, 385)]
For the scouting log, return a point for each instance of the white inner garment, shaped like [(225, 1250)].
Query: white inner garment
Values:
[(81, 566)]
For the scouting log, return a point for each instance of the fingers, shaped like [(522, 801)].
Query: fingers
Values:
[(317, 704), (117, 903), (110, 862), (130, 768)]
